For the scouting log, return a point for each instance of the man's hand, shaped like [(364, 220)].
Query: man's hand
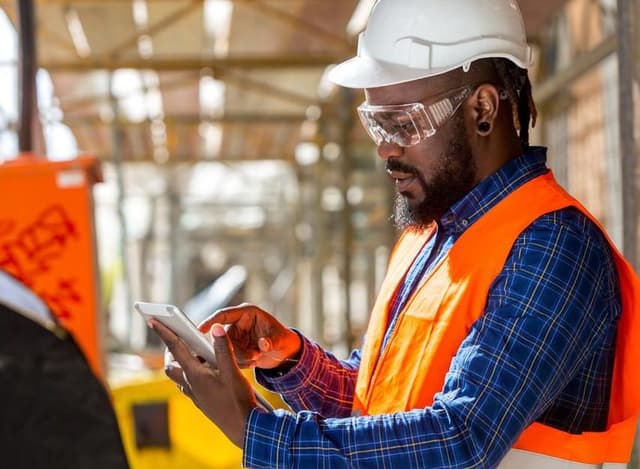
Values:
[(224, 395), (259, 339)]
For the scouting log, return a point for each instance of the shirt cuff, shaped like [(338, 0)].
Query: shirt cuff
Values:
[(296, 377), (267, 438)]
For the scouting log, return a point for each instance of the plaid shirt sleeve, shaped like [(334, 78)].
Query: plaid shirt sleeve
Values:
[(319, 381), (554, 306)]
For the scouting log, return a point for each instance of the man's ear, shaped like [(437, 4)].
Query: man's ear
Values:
[(486, 102)]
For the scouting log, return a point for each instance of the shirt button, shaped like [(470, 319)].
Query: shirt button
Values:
[(465, 223)]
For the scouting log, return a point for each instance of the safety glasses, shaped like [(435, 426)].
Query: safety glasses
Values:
[(407, 125)]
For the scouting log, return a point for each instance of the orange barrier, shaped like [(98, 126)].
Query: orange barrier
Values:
[(47, 240)]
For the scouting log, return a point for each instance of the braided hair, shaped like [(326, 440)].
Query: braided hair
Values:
[(515, 81)]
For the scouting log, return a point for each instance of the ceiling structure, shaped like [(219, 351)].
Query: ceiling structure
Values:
[(163, 82), (199, 79)]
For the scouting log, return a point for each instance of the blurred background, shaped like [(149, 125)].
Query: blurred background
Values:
[(226, 168)]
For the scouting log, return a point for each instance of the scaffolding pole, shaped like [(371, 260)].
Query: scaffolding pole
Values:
[(116, 158), (626, 70), (27, 82), (346, 127), (320, 246), (175, 203)]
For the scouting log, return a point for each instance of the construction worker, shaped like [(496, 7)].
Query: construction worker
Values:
[(506, 332), (56, 414)]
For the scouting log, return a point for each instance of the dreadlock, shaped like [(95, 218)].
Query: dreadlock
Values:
[(515, 81)]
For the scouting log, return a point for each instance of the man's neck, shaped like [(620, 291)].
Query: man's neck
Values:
[(498, 151)]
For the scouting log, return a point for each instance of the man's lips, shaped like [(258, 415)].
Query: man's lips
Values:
[(403, 180)]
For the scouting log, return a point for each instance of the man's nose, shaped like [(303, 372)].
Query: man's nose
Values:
[(388, 150)]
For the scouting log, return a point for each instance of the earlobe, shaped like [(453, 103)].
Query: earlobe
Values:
[(487, 100)]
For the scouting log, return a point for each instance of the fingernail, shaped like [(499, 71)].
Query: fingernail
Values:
[(150, 324), (218, 330)]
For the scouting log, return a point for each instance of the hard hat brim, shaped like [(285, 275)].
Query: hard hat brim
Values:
[(365, 72)]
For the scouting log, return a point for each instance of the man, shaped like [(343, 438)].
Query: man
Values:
[(506, 331), (55, 413)]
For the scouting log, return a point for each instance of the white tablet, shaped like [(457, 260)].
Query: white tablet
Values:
[(172, 317), (181, 325)]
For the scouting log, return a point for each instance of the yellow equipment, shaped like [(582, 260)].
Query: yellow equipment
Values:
[(161, 428)]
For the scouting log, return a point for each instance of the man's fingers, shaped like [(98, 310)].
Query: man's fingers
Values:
[(229, 315), (175, 345), (225, 358), (246, 363), (176, 374), (168, 358)]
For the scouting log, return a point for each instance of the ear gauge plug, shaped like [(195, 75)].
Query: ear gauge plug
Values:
[(484, 128)]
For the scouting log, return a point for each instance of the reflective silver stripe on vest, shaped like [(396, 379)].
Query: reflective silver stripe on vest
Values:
[(519, 459)]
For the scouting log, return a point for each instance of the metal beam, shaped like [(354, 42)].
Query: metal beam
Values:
[(227, 76), (153, 29), (51, 38), (186, 120), (194, 158), (247, 82), (44, 35), (301, 24), (74, 103), (197, 63), (559, 82)]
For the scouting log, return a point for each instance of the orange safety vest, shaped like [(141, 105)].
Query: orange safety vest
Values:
[(438, 316)]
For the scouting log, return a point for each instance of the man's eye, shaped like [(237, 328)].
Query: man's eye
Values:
[(406, 126)]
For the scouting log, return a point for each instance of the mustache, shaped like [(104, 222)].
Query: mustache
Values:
[(395, 165)]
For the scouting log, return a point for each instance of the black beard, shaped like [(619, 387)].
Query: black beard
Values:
[(453, 178)]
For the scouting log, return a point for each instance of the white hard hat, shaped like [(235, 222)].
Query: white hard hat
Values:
[(406, 40)]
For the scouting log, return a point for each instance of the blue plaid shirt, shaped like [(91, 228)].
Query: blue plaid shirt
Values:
[(542, 351)]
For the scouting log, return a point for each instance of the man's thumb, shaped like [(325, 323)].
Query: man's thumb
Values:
[(225, 359)]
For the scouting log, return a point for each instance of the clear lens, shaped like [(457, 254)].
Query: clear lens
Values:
[(401, 125), (407, 124)]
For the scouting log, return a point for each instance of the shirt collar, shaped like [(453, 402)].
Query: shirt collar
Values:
[(17, 297), (493, 189)]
